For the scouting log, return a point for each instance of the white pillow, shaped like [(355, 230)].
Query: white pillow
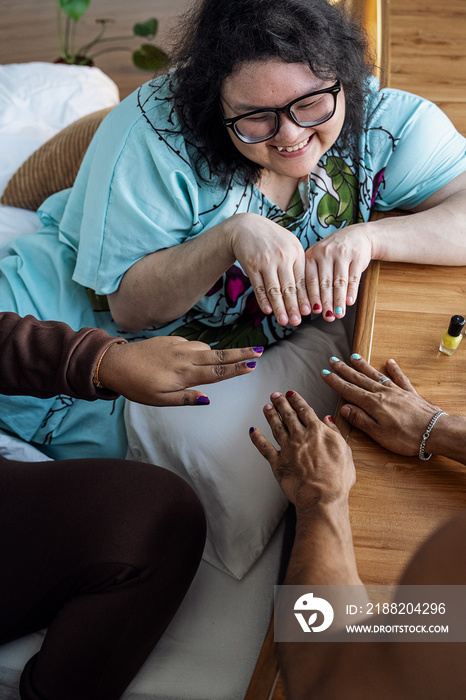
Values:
[(14, 223), (209, 446), (39, 99)]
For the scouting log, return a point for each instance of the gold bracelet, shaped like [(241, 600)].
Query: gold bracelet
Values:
[(95, 373)]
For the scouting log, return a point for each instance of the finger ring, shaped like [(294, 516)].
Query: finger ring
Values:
[(382, 380)]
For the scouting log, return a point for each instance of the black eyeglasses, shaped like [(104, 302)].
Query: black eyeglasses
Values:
[(309, 110)]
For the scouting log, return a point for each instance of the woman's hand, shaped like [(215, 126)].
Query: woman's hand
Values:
[(392, 413), (334, 267), (158, 370), (273, 259), (289, 282), (314, 465)]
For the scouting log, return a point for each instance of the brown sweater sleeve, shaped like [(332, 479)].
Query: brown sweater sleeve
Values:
[(46, 358)]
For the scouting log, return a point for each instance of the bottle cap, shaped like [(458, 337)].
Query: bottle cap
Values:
[(456, 326)]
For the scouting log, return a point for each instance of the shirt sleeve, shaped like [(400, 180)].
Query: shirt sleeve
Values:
[(46, 358), (138, 195), (416, 146)]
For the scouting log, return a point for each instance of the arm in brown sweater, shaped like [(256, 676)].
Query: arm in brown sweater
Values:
[(45, 358)]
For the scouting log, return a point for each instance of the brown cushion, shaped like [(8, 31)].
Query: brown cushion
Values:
[(54, 166)]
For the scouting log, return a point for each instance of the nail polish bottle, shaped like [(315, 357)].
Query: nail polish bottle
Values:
[(452, 337)]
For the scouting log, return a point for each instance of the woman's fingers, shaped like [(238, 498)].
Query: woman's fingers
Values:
[(304, 303), (334, 267), (320, 280), (354, 278), (340, 287), (313, 286), (286, 292)]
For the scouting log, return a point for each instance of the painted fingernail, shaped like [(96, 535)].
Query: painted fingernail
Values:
[(355, 356), (330, 419), (202, 401), (338, 310), (328, 314), (326, 371), (290, 393), (275, 395), (260, 348), (251, 365), (335, 359), (251, 430), (316, 307)]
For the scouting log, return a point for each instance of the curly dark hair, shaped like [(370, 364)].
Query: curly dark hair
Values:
[(217, 35)]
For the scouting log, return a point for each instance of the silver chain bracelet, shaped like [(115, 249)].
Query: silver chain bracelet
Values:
[(422, 454)]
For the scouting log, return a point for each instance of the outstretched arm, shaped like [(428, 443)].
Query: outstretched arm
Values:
[(315, 469), (46, 358), (334, 265), (393, 413)]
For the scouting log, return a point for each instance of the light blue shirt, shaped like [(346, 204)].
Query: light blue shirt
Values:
[(137, 192)]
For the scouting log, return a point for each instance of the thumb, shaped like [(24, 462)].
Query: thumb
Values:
[(359, 418)]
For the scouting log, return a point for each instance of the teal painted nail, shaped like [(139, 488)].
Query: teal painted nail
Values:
[(338, 310), (326, 371), (355, 356), (335, 359)]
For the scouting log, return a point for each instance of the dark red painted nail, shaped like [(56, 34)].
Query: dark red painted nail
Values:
[(290, 393), (316, 307)]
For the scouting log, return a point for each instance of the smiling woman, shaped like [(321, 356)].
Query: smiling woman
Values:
[(189, 230), (286, 142)]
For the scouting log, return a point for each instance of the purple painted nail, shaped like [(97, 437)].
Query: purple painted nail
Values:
[(251, 430), (251, 365), (259, 349), (202, 401)]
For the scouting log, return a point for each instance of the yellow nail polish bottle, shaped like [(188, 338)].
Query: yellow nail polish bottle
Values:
[(452, 337)]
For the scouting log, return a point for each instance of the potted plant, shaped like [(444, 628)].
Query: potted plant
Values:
[(147, 57)]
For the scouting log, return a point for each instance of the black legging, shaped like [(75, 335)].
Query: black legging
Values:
[(102, 553)]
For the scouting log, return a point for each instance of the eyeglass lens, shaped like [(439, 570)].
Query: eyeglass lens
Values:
[(309, 111)]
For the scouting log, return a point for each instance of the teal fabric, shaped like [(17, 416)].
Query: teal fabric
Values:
[(137, 192)]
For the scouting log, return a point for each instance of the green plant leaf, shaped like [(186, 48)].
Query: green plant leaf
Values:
[(148, 28), (75, 9), (149, 57)]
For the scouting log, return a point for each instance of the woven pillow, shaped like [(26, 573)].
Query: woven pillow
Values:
[(54, 166)]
